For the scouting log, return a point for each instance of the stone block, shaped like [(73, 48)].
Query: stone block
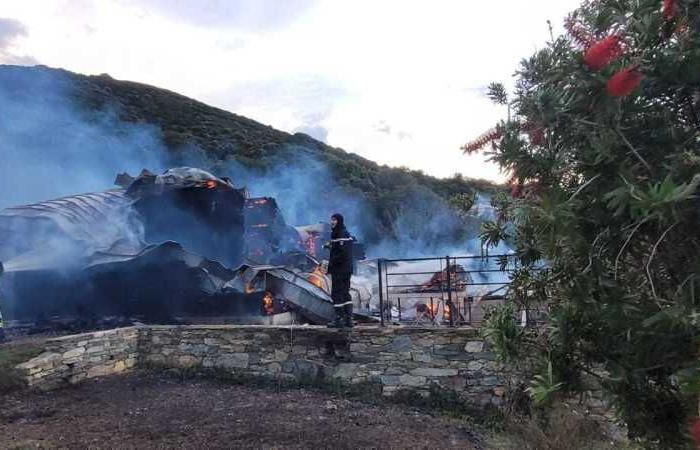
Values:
[(74, 353), (413, 381), (208, 362), (490, 381), (263, 337), (308, 369), (421, 357), (474, 347), (388, 391), (187, 361), (399, 344), (434, 372), (41, 362), (460, 357), (394, 371), (345, 370), (447, 349), (359, 348), (390, 380), (120, 366), (233, 360), (475, 365), (280, 356), (95, 349)]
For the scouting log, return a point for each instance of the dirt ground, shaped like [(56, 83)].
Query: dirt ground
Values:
[(156, 411)]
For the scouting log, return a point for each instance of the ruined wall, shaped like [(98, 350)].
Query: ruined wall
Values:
[(70, 359), (393, 358)]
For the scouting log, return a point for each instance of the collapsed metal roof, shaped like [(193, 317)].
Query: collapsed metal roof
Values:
[(107, 238)]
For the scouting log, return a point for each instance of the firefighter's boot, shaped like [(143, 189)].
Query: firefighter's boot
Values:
[(338, 321)]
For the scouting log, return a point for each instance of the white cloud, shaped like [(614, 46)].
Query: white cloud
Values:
[(10, 31), (336, 69)]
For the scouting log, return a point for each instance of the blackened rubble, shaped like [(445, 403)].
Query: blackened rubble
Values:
[(159, 249)]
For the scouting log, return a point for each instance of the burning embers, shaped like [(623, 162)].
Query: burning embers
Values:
[(268, 304), (318, 278), (432, 311)]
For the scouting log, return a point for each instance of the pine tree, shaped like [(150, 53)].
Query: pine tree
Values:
[(603, 145)]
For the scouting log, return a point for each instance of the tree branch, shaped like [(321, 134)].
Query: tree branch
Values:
[(651, 257), (631, 147)]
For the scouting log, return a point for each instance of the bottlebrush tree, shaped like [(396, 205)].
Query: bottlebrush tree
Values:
[(603, 145)]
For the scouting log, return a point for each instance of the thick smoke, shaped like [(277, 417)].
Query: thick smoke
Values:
[(50, 148), (307, 192)]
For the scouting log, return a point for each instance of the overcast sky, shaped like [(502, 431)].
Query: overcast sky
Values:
[(398, 82)]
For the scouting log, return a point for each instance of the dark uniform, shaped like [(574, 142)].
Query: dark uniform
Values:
[(340, 270)]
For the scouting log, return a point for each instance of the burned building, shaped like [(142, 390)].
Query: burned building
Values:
[(152, 248), (158, 249)]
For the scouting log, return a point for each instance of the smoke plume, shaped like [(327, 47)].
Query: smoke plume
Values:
[(50, 147)]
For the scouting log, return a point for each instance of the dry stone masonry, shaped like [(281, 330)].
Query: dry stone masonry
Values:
[(71, 359), (396, 358)]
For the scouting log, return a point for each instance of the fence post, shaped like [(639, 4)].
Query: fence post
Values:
[(381, 291), (449, 293), (470, 301)]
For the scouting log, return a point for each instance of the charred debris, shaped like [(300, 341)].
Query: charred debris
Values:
[(183, 246)]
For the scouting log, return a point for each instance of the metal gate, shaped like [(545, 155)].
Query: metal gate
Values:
[(449, 290)]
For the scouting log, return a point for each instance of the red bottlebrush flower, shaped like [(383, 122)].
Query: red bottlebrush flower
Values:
[(623, 82), (603, 52), (668, 9), (694, 430), (482, 140)]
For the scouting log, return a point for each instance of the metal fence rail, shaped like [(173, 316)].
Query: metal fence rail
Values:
[(448, 296)]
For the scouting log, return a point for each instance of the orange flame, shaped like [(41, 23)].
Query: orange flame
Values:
[(210, 184), (446, 312), (268, 305), (316, 277)]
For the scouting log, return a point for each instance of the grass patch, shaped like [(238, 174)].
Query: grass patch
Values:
[(10, 356)]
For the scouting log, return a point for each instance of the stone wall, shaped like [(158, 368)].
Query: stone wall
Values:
[(70, 359), (394, 358)]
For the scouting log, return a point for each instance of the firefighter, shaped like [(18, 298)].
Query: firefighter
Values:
[(340, 270)]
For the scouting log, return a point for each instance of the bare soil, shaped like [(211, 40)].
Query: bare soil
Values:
[(146, 410)]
